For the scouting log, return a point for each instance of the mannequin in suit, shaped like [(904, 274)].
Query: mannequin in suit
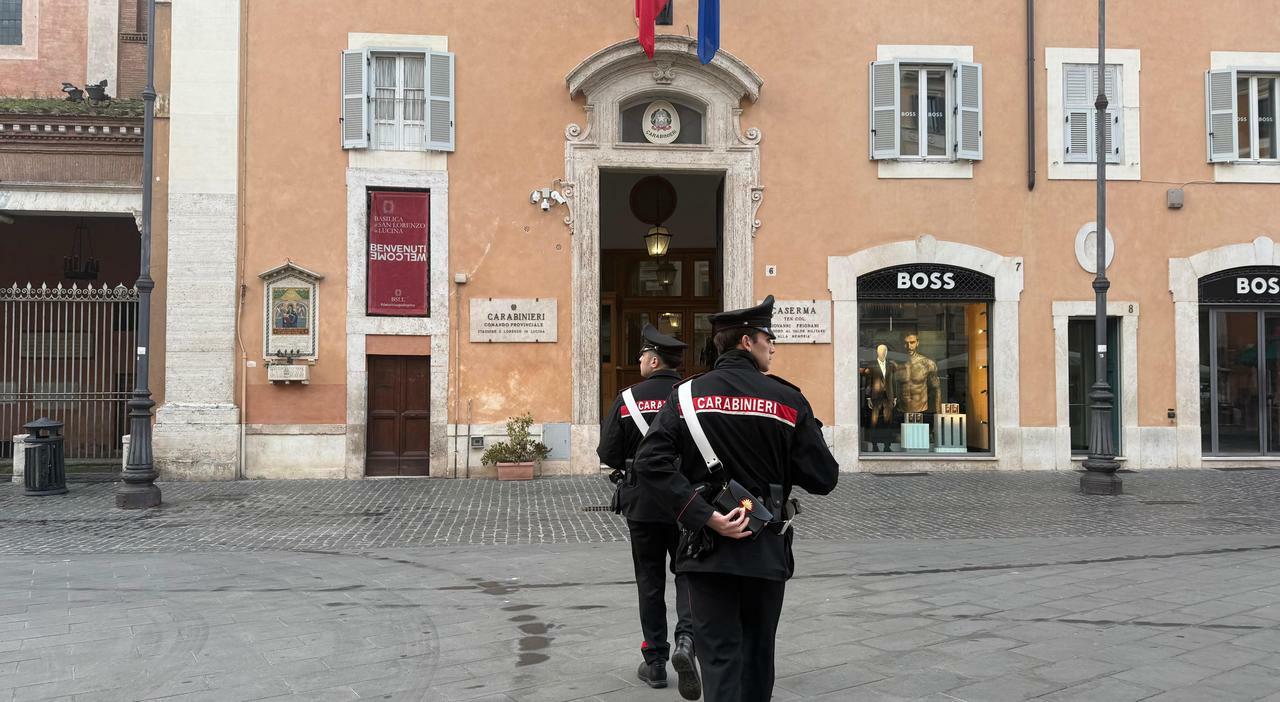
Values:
[(881, 400)]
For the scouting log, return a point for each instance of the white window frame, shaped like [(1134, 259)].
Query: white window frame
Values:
[(398, 121), (933, 166), (1246, 170), (1254, 117), (1130, 62), (948, 70)]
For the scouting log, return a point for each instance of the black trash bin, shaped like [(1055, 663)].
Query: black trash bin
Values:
[(46, 471)]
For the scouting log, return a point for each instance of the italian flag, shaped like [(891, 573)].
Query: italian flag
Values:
[(646, 11)]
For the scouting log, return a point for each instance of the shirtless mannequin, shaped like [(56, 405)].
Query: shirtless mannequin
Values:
[(921, 391)]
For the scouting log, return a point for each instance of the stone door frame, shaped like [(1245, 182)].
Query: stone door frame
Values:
[(434, 331), (610, 78)]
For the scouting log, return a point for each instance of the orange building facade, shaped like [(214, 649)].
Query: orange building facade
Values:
[(388, 232)]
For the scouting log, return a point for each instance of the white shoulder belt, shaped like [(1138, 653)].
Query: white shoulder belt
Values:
[(630, 401), (685, 393)]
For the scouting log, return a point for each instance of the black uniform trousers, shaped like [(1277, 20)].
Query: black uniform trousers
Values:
[(652, 543), (735, 624)]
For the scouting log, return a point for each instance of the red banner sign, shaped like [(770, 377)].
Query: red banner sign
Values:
[(399, 262)]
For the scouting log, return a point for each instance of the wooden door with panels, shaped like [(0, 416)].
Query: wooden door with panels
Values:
[(399, 434), (676, 294)]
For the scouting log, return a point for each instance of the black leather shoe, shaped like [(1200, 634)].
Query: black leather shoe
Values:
[(682, 660), (653, 674)]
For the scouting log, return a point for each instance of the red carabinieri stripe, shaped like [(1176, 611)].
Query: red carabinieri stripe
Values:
[(645, 407), (746, 406)]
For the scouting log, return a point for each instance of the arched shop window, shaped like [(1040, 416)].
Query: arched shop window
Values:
[(1240, 362), (924, 355)]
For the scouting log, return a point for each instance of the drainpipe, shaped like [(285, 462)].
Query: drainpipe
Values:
[(1031, 95)]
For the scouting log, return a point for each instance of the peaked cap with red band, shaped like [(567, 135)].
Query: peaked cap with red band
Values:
[(759, 318)]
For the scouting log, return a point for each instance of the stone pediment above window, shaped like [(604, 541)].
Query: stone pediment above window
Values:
[(623, 88)]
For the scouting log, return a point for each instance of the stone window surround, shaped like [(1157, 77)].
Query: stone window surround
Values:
[(617, 75), (957, 168), (360, 324), (1130, 61), (1246, 172), (1184, 285), (1063, 311), (842, 279), (29, 49)]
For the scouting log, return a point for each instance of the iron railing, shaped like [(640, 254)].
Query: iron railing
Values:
[(68, 354)]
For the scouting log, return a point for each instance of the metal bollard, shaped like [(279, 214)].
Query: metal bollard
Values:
[(46, 471)]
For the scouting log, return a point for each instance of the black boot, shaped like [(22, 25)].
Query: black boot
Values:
[(682, 659), (653, 674)]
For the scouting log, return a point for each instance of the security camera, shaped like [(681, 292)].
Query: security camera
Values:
[(546, 205), (555, 195), (535, 196)]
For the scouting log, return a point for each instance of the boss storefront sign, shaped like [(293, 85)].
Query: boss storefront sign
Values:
[(399, 262), (1242, 286), (926, 282)]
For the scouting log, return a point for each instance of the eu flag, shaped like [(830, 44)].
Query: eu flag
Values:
[(708, 30)]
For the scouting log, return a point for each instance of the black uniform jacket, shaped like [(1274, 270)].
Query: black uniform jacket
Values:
[(620, 436), (763, 431)]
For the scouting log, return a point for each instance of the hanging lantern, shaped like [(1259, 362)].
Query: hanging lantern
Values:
[(653, 200), (657, 241)]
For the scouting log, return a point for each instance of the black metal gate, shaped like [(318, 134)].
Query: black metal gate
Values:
[(68, 354)]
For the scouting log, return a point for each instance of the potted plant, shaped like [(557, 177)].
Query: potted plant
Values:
[(516, 456)]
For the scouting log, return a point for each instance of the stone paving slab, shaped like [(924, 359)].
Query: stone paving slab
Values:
[(300, 515), (557, 622), (976, 587)]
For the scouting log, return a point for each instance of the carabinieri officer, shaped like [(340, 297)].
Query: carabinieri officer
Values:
[(654, 534), (747, 438)]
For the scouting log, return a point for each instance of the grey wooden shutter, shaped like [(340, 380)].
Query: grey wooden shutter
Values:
[(1078, 127), (355, 100), (1220, 115), (884, 109), (440, 101), (969, 111), (1114, 134)]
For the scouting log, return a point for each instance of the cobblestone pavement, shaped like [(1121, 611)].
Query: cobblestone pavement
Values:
[(292, 515), (975, 587)]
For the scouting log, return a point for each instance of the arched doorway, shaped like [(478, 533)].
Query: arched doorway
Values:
[(1226, 330), (614, 82)]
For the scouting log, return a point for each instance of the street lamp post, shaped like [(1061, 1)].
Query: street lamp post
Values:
[(138, 489), (1101, 466)]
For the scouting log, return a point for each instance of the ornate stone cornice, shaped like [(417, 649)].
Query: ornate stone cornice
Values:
[(670, 52), (70, 130)]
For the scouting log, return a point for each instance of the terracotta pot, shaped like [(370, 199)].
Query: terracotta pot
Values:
[(515, 471)]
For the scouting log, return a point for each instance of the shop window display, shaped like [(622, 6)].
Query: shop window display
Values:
[(924, 365)]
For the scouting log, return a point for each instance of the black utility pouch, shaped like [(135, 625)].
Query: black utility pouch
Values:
[(733, 495)]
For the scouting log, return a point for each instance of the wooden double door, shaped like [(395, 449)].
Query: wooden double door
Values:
[(679, 304), (399, 436)]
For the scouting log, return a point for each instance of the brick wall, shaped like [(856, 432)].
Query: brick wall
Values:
[(133, 49), (133, 69), (63, 36)]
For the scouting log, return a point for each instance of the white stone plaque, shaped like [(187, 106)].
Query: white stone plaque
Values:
[(522, 320), (802, 321)]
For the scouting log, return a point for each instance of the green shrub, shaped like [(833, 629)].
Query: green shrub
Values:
[(519, 447)]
